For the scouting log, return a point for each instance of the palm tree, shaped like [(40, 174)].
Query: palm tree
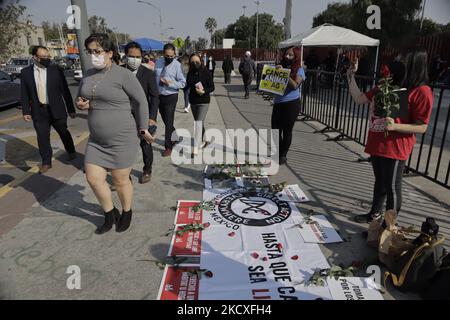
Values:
[(210, 26)]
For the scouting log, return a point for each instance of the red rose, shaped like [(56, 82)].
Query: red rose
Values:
[(385, 72), (255, 255), (231, 234), (294, 257), (264, 259), (280, 246), (206, 225)]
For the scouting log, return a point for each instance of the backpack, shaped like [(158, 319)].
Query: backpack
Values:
[(439, 288), (415, 268), (246, 68)]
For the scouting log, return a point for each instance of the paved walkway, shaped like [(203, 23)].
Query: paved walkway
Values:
[(53, 227)]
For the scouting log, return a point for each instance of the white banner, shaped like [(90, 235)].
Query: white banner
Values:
[(240, 207), (320, 231), (353, 288), (293, 193), (269, 274)]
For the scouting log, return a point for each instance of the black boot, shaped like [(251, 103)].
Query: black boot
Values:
[(125, 221), (111, 217)]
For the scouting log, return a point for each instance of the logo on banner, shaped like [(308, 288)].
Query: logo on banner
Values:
[(251, 208)]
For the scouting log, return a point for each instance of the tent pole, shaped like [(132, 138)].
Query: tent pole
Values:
[(337, 63), (301, 57), (376, 64)]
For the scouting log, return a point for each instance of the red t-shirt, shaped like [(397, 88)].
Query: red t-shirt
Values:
[(398, 145)]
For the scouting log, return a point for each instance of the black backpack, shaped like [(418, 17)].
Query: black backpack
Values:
[(416, 268), (246, 68), (439, 288)]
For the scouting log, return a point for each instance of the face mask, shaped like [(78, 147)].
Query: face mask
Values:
[(43, 62), (287, 62), (134, 63), (98, 62), (168, 60), (195, 65)]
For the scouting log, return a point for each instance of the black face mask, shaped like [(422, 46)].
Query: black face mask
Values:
[(44, 62), (286, 63), (195, 65), (168, 60)]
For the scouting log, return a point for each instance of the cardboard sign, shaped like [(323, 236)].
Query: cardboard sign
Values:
[(274, 80), (319, 232), (270, 274), (353, 288), (186, 245), (185, 214), (293, 193), (179, 284)]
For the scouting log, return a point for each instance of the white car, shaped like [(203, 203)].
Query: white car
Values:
[(78, 74)]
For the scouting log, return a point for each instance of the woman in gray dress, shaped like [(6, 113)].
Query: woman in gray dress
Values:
[(118, 115)]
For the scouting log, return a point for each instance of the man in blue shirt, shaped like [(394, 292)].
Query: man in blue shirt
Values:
[(169, 75)]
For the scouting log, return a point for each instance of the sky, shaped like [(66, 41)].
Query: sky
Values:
[(188, 17)]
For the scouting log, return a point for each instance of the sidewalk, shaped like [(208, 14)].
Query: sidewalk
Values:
[(59, 231)]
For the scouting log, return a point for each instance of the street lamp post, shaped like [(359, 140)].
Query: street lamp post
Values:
[(257, 27), (244, 7), (117, 42), (160, 16)]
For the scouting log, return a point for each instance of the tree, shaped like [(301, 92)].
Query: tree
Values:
[(244, 31), (210, 26), (201, 44), (218, 36), (13, 24), (338, 14)]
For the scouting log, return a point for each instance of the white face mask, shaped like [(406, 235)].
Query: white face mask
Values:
[(98, 62), (134, 63)]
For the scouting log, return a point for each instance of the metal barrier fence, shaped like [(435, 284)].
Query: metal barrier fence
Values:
[(326, 99)]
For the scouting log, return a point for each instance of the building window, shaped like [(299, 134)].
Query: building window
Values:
[(29, 40), (41, 41)]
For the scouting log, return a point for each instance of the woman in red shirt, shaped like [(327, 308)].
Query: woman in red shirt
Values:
[(391, 141)]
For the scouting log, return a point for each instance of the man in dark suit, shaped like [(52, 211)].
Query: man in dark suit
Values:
[(46, 99), (147, 78)]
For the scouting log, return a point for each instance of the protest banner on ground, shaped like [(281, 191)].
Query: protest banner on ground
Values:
[(242, 207), (179, 284), (185, 244), (317, 229), (274, 80), (353, 288), (185, 214), (269, 274), (293, 193)]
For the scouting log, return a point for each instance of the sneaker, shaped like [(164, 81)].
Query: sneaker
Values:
[(283, 160), (186, 110), (167, 153), (367, 218)]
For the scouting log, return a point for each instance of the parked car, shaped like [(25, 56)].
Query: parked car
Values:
[(9, 90), (15, 66), (78, 74)]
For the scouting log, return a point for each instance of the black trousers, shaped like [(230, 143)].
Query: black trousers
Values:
[(247, 83), (167, 106), (388, 184), (42, 126), (147, 155), (227, 77), (283, 118)]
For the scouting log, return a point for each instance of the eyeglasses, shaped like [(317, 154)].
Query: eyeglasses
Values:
[(94, 51)]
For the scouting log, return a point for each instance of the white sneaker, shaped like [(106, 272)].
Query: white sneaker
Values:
[(186, 110), (195, 151)]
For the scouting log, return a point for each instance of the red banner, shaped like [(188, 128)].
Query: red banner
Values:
[(179, 284), (185, 214), (187, 244)]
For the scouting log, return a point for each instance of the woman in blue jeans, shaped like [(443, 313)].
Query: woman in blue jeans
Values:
[(287, 107)]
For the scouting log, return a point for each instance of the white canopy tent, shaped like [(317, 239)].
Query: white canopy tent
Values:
[(328, 35)]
